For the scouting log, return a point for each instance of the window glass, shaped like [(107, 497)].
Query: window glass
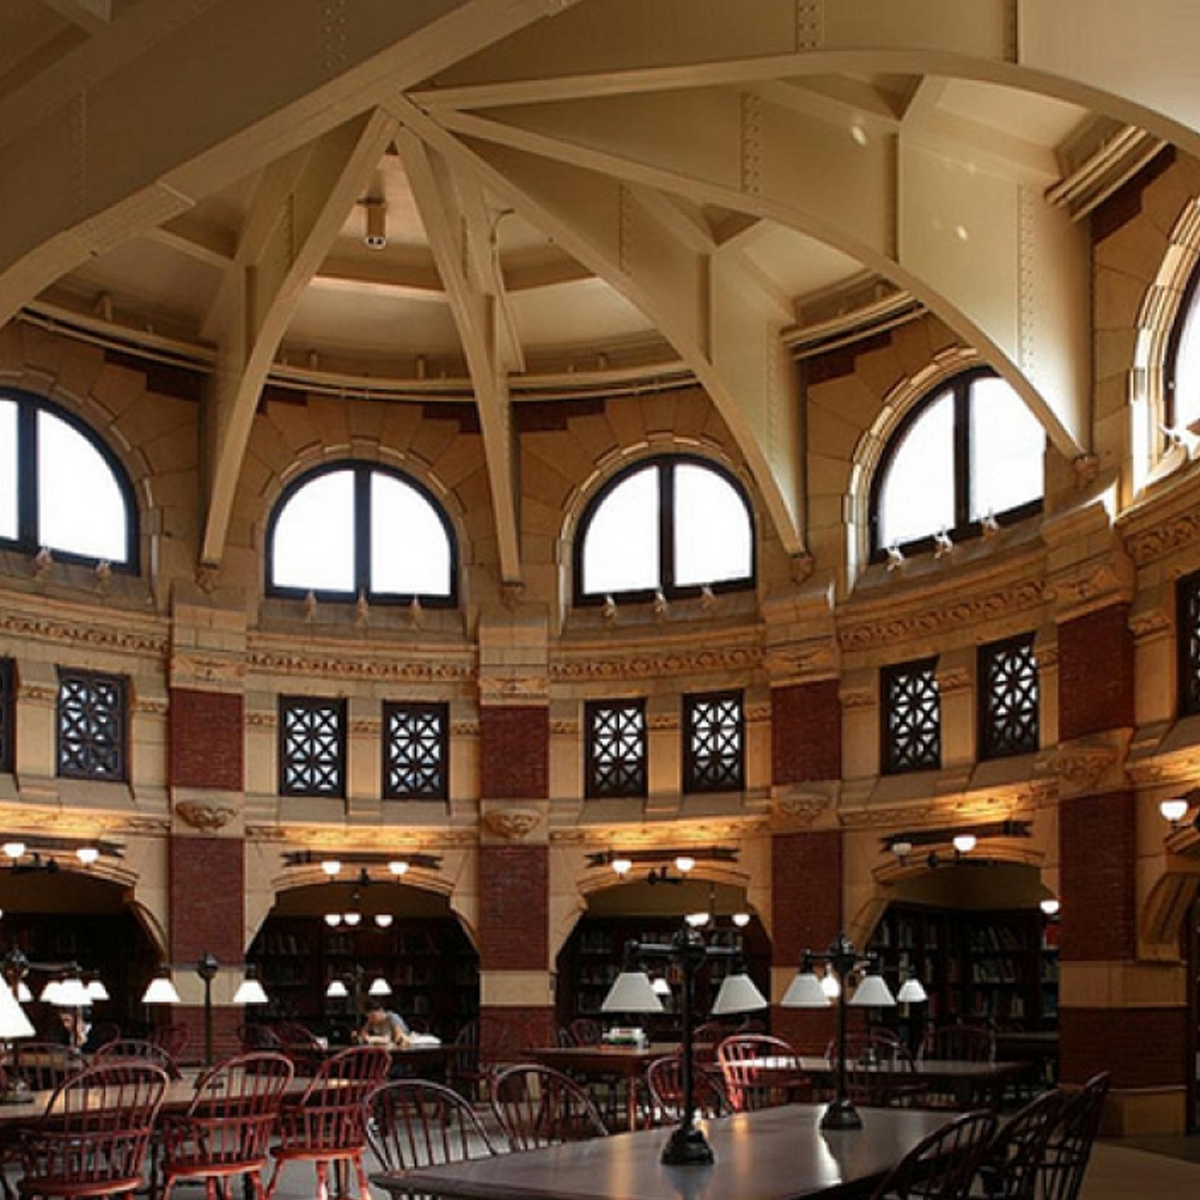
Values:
[(1008, 443), (410, 554), (80, 506), (8, 469), (314, 535), (917, 496), (1185, 396), (621, 542), (713, 539)]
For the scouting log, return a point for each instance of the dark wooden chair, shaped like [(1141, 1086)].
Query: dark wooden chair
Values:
[(880, 1070), (302, 1046), (538, 1106), (586, 1031), (326, 1123), (959, 1043), (664, 1083), (253, 1037), (139, 1049), (755, 1071), (1069, 1148), (174, 1039), (42, 1065), (415, 1123), (1014, 1159), (943, 1165), (94, 1135), (227, 1129)]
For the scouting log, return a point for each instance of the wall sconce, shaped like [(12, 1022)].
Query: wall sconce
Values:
[(902, 849), (964, 843), (1173, 810), (331, 866), (1050, 906)]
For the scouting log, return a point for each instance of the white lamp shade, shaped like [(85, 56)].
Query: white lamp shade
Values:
[(250, 991), (1173, 810), (72, 993), (911, 992), (1050, 906), (337, 990), (805, 991), (872, 992), (661, 985), (161, 990), (632, 992), (383, 920), (13, 1021), (23, 992), (49, 992), (379, 987), (96, 990), (738, 994)]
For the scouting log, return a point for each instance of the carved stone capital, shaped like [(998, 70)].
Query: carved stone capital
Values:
[(1089, 765), (208, 818), (511, 824)]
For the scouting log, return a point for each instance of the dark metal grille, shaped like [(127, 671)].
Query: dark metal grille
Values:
[(1188, 608), (312, 746), (415, 751), (8, 715), (92, 724), (616, 748), (912, 718), (1008, 702), (714, 740)]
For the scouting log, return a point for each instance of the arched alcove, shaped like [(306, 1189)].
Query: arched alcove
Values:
[(422, 952)]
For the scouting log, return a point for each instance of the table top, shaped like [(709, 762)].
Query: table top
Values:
[(602, 1059), (773, 1154)]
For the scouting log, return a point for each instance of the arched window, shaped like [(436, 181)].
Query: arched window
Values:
[(673, 525), (1182, 408), (969, 452), (61, 488), (357, 529)]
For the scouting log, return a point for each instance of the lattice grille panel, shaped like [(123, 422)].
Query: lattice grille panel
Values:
[(616, 749), (912, 716), (1008, 680), (415, 752), (715, 745), (92, 720), (312, 746)]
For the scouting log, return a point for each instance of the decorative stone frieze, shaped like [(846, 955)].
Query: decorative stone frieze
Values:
[(587, 667), (798, 808), (513, 688), (206, 671), (84, 633)]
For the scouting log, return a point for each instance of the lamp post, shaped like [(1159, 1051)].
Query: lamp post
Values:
[(805, 991), (632, 991), (207, 969)]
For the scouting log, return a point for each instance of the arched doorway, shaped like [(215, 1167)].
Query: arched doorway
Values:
[(57, 917), (405, 936), (975, 935), (643, 912)]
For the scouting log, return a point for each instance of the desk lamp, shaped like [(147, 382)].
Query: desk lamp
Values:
[(632, 991), (805, 991), (13, 1024)]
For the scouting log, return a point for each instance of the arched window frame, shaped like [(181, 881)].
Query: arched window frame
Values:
[(959, 386), (29, 539), (664, 466), (362, 472)]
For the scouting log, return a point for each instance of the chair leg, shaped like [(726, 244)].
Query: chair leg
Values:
[(364, 1186), (322, 1169)]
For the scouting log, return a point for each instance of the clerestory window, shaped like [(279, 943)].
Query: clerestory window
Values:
[(670, 525), (968, 454), (61, 488), (351, 530)]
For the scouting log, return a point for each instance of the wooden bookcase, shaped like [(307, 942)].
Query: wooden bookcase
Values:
[(430, 964), (992, 967)]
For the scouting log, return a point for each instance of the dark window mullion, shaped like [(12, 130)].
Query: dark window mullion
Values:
[(666, 526), (362, 531), (27, 447), (962, 452)]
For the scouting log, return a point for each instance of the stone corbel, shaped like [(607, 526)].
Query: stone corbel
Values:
[(799, 807), (510, 823), (1089, 765)]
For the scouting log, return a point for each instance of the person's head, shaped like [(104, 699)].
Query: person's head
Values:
[(375, 1012)]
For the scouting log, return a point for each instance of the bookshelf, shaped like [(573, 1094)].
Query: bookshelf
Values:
[(593, 955), (429, 962), (990, 967)]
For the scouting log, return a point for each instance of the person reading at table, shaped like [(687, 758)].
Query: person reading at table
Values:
[(384, 1027)]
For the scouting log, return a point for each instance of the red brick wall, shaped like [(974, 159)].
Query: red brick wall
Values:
[(514, 753), (1095, 668), (207, 881), (1098, 850), (806, 874), (806, 732), (206, 740), (1142, 1047), (514, 888)]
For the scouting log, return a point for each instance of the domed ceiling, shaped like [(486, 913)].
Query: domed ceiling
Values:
[(509, 200)]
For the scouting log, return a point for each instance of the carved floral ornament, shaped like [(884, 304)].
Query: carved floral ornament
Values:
[(206, 817), (511, 824)]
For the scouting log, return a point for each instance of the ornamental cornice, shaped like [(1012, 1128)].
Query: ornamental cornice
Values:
[(932, 616), (513, 689), (1148, 545), (341, 663), (82, 632), (669, 663), (650, 837), (201, 670)]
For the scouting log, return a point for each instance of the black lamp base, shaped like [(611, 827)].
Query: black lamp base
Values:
[(16, 1091), (687, 1147), (841, 1114)]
